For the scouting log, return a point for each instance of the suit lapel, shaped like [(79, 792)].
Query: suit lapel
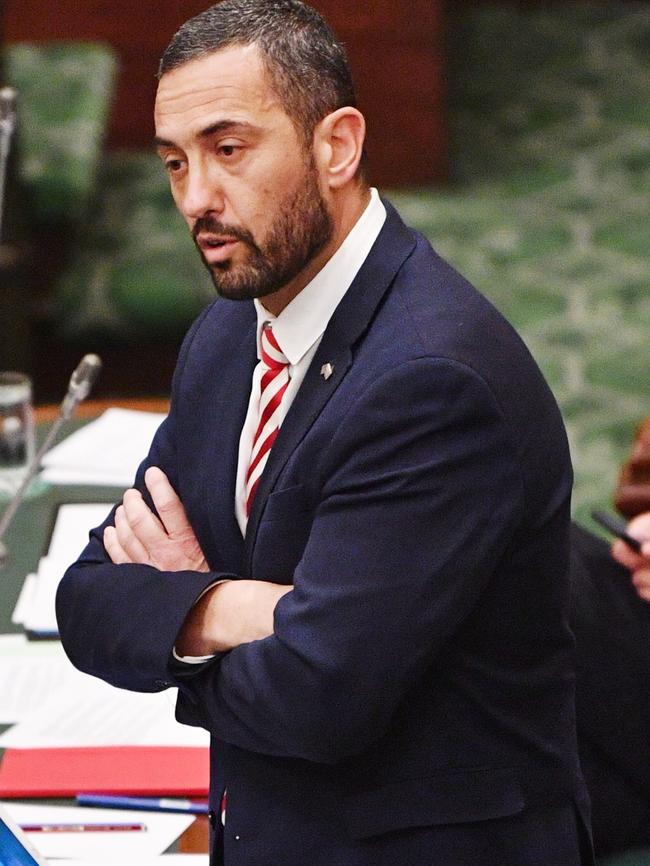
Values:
[(350, 320)]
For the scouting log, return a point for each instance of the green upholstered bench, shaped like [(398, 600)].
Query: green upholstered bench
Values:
[(64, 94)]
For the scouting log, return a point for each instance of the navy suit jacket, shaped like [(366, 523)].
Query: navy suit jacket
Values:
[(415, 703)]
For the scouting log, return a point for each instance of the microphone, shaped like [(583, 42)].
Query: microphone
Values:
[(8, 98), (79, 386), (81, 383)]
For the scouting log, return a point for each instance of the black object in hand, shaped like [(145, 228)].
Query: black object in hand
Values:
[(616, 526)]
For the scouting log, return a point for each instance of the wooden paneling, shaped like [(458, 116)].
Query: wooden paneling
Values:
[(395, 50)]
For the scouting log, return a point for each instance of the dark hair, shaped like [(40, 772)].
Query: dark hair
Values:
[(306, 63)]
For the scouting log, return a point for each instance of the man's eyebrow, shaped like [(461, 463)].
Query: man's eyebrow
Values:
[(220, 126), (225, 126)]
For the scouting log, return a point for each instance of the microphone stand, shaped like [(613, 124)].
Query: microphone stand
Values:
[(18, 497), (80, 384)]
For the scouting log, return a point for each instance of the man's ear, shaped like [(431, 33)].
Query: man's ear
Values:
[(338, 146)]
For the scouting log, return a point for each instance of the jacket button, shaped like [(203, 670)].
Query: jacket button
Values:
[(212, 818)]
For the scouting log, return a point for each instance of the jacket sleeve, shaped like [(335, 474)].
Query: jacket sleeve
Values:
[(420, 496), (120, 622)]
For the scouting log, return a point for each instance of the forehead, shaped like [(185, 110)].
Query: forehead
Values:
[(231, 82)]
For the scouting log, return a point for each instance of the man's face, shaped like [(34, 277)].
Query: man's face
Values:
[(246, 185)]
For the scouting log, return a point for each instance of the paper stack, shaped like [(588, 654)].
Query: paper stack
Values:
[(106, 451), (35, 607)]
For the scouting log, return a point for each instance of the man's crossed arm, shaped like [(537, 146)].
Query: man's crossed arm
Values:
[(229, 613)]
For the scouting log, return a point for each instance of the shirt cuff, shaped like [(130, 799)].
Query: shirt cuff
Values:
[(191, 660)]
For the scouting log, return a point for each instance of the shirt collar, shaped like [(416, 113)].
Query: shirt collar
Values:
[(303, 321)]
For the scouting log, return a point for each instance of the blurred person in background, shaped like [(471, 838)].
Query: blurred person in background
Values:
[(610, 616)]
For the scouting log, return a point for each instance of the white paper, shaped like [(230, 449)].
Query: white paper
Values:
[(54, 704), (35, 608), (102, 715), (106, 451), (25, 600), (11, 642), (29, 674), (115, 847), (17, 645), (71, 528)]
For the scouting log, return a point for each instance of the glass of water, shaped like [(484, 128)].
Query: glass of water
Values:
[(16, 430)]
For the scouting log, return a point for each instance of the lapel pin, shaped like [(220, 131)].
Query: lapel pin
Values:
[(326, 371)]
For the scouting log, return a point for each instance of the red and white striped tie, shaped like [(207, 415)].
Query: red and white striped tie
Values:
[(274, 382)]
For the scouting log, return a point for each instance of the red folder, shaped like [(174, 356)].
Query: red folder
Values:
[(131, 770)]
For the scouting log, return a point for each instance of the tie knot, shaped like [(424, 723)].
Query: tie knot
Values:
[(272, 355)]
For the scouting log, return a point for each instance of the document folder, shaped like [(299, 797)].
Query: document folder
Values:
[(138, 770)]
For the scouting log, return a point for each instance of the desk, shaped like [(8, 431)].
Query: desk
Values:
[(28, 537)]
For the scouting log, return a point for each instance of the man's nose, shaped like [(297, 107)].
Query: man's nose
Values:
[(202, 193)]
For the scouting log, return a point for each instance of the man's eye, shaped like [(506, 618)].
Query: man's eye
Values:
[(173, 165), (227, 149)]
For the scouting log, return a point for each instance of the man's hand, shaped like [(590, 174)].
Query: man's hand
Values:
[(229, 614), (138, 536), (638, 563)]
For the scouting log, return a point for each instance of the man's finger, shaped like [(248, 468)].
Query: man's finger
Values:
[(142, 521), (113, 548), (639, 526), (127, 539), (169, 507), (626, 556), (641, 581)]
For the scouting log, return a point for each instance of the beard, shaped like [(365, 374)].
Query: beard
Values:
[(303, 227)]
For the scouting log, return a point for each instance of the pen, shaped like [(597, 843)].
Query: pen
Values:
[(83, 828), (617, 527), (152, 804)]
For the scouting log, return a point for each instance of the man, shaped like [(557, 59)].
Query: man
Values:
[(370, 615)]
